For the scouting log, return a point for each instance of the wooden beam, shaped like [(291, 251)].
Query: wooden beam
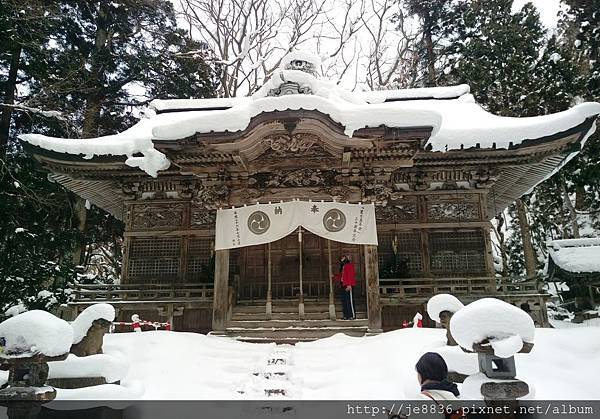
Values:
[(221, 297), (372, 282)]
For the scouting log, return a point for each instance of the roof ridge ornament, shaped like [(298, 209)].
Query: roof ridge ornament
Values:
[(296, 61)]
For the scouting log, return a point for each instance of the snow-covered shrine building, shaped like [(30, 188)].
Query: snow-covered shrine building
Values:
[(575, 262), (435, 164)]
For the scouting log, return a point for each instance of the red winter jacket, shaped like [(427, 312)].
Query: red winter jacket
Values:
[(348, 275)]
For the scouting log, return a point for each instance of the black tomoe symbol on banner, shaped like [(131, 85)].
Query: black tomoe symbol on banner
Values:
[(258, 222), (334, 220)]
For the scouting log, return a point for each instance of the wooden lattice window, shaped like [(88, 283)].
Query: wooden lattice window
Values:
[(154, 260), (200, 254), (456, 253), (400, 254)]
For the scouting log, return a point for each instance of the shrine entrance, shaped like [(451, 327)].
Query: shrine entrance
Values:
[(301, 253), (273, 274)]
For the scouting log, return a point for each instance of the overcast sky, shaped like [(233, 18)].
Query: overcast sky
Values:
[(548, 10)]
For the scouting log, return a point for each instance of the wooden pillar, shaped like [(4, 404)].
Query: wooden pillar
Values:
[(331, 291), (301, 296), (221, 290), (269, 307), (372, 282)]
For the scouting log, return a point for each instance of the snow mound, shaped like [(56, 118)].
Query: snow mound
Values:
[(493, 320), (35, 332), (442, 302), (507, 347), (459, 360), (575, 255), (16, 309), (84, 321), (112, 368), (111, 392)]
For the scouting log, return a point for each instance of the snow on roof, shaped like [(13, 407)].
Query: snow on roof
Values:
[(446, 92), (576, 255), (35, 332), (196, 104), (442, 302), (456, 119), (84, 321), (504, 325)]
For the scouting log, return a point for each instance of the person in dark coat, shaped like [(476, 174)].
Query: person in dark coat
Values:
[(432, 373), (348, 282)]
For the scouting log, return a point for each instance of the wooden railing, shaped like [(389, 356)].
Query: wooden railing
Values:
[(426, 287), (519, 286), (142, 292)]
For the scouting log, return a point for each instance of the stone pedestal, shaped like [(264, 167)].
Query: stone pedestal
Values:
[(506, 390), (26, 389)]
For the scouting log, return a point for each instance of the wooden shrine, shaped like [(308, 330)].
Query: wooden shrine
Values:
[(433, 206)]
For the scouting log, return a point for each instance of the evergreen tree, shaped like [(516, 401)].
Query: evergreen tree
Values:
[(496, 50), (438, 21), (101, 61)]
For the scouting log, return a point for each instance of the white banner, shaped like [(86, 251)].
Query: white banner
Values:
[(265, 223)]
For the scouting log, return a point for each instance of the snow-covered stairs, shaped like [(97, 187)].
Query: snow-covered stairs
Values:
[(250, 323), (271, 379)]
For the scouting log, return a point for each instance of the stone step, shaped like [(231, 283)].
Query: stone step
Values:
[(289, 308), (292, 333), (291, 316), (254, 324)]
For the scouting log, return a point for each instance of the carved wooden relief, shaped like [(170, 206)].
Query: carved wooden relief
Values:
[(453, 211), (444, 208), (211, 197), (202, 217), (379, 193), (153, 216), (293, 178), (397, 213)]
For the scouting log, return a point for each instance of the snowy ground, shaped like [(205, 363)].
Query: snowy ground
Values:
[(564, 364)]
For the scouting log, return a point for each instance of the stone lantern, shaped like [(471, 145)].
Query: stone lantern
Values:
[(502, 370)]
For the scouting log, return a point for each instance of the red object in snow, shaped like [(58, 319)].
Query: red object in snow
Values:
[(420, 323), (405, 324)]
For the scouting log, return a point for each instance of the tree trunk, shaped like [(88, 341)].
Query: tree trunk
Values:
[(579, 197), (570, 208), (502, 244), (81, 217), (9, 99), (431, 79), (528, 250), (93, 103)]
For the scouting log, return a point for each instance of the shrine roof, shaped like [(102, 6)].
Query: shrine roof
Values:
[(455, 120), (576, 256)]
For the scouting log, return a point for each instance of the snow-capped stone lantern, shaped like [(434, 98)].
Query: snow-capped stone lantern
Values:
[(496, 331), (29, 341), (441, 308)]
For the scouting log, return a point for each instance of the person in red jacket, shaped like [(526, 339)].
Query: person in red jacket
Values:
[(348, 281)]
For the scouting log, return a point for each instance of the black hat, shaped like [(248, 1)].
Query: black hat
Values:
[(432, 366)]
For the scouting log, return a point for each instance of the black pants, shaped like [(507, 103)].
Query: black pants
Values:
[(348, 304)]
